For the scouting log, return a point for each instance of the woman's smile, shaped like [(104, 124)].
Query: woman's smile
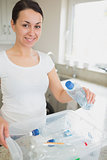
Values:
[(30, 39)]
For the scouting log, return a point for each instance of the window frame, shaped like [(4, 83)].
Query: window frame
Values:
[(70, 24)]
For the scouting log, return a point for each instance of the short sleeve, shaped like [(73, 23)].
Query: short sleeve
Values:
[(49, 64)]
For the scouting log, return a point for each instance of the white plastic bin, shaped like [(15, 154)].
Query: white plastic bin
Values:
[(75, 138)]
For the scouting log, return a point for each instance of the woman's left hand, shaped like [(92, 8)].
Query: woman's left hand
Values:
[(89, 95)]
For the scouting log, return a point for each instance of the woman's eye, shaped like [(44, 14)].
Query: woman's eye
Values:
[(38, 27), (25, 25)]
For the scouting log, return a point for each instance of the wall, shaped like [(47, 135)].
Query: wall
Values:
[(49, 40), (5, 46)]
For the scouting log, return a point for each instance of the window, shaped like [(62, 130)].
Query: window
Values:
[(87, 27)]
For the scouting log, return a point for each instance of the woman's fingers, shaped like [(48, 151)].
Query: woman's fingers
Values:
[(3, 133), (6, 131), (2, 140), (93, 98), (89, 95)]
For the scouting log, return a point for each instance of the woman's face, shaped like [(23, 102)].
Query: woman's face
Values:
[(28, 27)]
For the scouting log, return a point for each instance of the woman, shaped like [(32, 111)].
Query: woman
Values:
[(26, 73)]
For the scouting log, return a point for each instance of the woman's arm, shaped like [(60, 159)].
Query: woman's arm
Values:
[(60, 94), (56, 87)]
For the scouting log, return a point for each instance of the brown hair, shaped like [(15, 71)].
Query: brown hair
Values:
[(25, 4)]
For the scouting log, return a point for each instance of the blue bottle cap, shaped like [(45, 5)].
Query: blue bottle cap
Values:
[(51, 140), (69, 85), (35, 132)]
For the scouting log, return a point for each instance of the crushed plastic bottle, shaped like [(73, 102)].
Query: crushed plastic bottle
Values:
[(78, 94)]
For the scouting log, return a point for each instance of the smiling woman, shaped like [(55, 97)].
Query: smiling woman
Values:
[(28, 30), (26, 73)]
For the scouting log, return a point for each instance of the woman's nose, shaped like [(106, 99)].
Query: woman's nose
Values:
[(31, 31)]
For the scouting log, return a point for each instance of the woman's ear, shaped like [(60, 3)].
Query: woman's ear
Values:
[(12, 25)]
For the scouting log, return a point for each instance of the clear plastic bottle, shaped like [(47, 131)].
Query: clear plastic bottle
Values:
[(78, 94), (36, 147)]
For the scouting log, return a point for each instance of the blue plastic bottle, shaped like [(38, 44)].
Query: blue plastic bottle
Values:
[(78, 94)]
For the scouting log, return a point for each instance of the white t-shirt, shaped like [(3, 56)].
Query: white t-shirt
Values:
[(24, 88)]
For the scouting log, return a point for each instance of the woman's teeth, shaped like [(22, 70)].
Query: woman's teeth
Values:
[(29, 39)]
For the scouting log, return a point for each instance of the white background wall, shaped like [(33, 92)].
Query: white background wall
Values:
[(50, 37)]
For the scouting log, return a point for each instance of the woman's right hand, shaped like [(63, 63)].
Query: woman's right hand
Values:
[(4, 132)]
